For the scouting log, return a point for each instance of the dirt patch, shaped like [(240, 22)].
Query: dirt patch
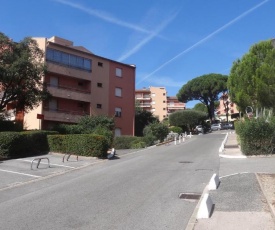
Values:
[(267, 182)]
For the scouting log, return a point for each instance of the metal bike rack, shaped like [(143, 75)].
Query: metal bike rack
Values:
[(39, 160), (68, 156)]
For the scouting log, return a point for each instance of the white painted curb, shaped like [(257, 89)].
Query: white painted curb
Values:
[(205, 208), (214, 182), (223, 143)]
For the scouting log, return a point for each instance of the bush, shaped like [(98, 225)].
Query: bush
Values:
[(157, 130), (23, 144), (79, 144), (175, 129), (256, 136), (128, 142)]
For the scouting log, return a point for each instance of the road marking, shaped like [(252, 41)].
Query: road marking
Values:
[(47, 163), (233, 174), (25, 174)]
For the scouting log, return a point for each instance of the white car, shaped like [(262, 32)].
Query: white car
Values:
[(216, 127)]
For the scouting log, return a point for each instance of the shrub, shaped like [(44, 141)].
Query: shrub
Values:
[(79, 144), (255, 136), (175, 129), (127, 142), (23, 144), (158, 130)]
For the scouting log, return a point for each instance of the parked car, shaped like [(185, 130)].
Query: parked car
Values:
[(216, 127), (227, 126)]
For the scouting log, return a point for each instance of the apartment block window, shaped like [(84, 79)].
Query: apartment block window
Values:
[(163, 94), (117, 132), (99, 106), (100, 64), (117, 112), (118, 92), (164, 101), (69, 60), (80, 104), (99, 85), (164, 108), (118, 72)]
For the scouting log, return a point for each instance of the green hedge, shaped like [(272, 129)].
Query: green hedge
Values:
[(129, 142), (80, 144), (10, 126), (23, 144), (256, 136)]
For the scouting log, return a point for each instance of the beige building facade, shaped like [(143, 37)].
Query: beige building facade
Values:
[(155, 100), (82, 83)]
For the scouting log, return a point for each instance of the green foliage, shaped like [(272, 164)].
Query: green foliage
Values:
[(21, 69), (143, 118), (129, 142), (101, 125), (79, 144), (23, 144), (206, 89), (187, 118), (158, 130), (251, 81), (10, 126), (256, 136), (200, 107), (175, 129)]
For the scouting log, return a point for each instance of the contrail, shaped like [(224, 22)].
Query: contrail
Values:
[(148, 38), (104, 16), (205, 39)]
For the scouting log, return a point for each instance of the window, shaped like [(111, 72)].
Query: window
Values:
[(99, 106), (164, 108), (80, 104), (80, 83), (164, 101), (68, 59), (100, 64), (99, 84), (118, 72), (117, 112), (117, 132), (118, 92), (163, 94)]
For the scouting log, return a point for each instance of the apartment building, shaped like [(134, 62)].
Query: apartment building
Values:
[(226, 105), (155, 100), (82, 83)]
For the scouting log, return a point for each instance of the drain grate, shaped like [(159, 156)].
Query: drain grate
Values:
[(185, 162), (190, 196)]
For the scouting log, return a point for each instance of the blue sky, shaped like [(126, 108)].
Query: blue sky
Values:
[(169, 41)]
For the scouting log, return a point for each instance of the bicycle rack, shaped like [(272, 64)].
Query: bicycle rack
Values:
[(68, 156), (39, 160)]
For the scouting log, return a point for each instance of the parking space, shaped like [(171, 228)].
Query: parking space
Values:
[(18, 171)]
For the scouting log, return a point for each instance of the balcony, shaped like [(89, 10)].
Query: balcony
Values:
[(69, 93), (176, 105), (64, 70), (63, 115), (145, 105)]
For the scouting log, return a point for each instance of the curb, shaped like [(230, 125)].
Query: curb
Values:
[(205, 205), (223, 143)]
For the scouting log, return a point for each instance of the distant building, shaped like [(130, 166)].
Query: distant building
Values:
[(83, 83), (155, 100), (226, 105)]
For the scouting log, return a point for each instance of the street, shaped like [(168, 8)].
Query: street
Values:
[(138, 190)]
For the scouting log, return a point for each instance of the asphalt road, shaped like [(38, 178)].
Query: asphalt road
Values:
[(138, 190)]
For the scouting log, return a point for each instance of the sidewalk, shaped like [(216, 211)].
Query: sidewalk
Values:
[(240, 202)]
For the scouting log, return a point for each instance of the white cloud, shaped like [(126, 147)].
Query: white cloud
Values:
[(104, 16)]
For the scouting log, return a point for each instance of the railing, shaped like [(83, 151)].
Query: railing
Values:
[(69, 88), (71, 112)]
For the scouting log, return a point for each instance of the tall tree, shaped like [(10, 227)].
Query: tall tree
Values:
[(21, 71), (142, 119), (206, 89), (252, 78), (187, 118)]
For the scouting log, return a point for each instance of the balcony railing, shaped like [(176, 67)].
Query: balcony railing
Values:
[(69, 88)]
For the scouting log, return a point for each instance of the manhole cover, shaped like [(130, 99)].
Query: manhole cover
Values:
[(185, 162), (189, 196)]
